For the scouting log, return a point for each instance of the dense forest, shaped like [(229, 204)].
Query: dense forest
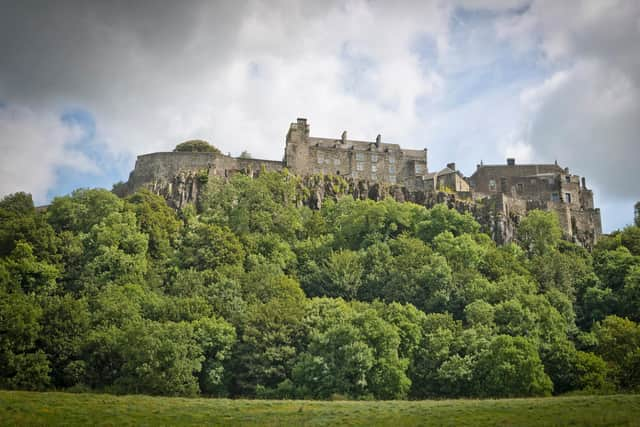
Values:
[(252, 294)]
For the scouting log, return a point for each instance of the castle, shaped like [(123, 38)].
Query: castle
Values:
[(498, 196)]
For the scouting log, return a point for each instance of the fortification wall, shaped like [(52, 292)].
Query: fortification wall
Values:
[(498, 196), (162, 166), (179, 177)]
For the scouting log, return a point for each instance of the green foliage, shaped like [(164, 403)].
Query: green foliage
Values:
[(539, 232), (196, 146), (441, 219), (619, 346), (253, 294), (511, 367), (209, 247), (24, 366)]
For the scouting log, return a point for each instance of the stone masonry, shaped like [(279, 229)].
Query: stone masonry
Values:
[(498, 196)]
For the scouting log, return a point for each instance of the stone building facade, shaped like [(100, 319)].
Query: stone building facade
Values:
[(497, 195), (373, 161), (518, 189)]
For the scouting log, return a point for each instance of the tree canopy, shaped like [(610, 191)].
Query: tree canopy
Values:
[(196, 146), (255, 295)]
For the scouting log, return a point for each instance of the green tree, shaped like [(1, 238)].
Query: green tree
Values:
[(511, 367), (157, 220), (539, 232), (27, 273), (196, 146), (159, 359), (619, 346), (116, 251), (215, 338), (356, 358), (440, 219), (19, 222), (24, 366), (612, 266), (340, 275), (209, 247), (83, 209), (630, 239), (630, 294), (64, 326)]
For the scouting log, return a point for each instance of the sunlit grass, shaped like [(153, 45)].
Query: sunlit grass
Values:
[(26, 408)]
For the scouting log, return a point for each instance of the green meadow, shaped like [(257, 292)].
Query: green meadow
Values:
[(32, 408)]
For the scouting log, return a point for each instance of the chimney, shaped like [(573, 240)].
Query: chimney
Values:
[(451, 166), (344, 137), (511, 161), (302, 121), (378, 140), (584, 183)]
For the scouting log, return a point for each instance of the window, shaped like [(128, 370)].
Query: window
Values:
[(374, 177), (568, 179), (392, 159), (374, 157), (392, 179), (492, 184), (520, 187), (360, 166), (360, 157), (555, 197), (320, 158), (392, 169), (419, 168), (374, 168), (336, 162), (567, 197)]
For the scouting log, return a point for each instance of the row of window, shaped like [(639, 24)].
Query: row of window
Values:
[(555, 197), (360, 167), (360, 157)]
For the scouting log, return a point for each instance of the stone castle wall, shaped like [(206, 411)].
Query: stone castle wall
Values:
[(498, 196), (179, 176)]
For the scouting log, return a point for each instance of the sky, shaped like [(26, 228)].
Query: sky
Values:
[(86, 86)]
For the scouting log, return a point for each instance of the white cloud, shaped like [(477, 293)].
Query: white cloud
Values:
[(33, 146), (237, 73)]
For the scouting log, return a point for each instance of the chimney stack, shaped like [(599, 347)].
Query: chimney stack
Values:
[(511, 161), (451, 166), (344, 137)]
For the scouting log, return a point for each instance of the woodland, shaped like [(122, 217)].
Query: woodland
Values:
[(251, 294)]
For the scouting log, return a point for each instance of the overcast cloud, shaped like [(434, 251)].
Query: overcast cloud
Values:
[(87, 86)]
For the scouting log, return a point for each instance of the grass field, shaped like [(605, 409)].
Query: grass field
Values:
[(26, 408)]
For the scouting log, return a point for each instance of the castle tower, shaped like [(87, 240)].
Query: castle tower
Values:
[(296, 151)]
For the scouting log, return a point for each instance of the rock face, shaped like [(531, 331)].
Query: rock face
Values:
[(497, 196)]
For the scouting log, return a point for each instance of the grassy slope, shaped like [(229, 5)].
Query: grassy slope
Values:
[(25, 408)]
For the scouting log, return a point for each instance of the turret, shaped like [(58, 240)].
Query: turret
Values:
[(296, 151)]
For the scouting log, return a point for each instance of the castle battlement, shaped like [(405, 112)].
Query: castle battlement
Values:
[(510, 189)]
